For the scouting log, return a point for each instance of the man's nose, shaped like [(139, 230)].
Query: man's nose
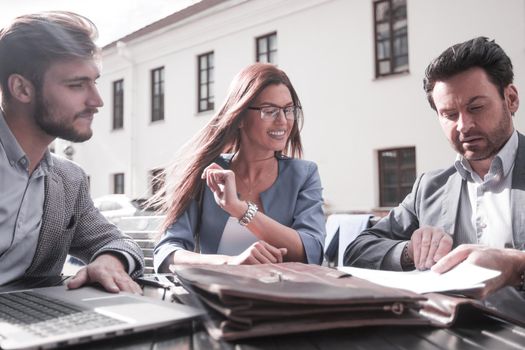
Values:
[(94, 99), (465, 123)]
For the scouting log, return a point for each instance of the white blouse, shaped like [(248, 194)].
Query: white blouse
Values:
[(235, 238)]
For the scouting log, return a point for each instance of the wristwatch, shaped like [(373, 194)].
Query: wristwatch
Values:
[(249, 214), (406, 261)]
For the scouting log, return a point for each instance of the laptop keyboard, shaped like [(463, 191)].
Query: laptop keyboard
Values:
[(46, 316)]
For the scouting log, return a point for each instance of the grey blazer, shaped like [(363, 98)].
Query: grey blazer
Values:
[(294, 199), (434, 201), (71, 224)]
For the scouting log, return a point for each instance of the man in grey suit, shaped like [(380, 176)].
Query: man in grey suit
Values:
[(474, 209), (48, 72)]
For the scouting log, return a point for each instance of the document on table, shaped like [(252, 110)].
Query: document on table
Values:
[(464, 276)]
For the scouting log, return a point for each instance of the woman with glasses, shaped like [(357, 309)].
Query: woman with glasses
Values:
[(237, 193)]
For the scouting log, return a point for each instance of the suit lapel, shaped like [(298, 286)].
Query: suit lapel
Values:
[(517, 195), (449, 209), (214, 220), (52, 218)]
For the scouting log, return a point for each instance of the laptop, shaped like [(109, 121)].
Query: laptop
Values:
[(55, 316)]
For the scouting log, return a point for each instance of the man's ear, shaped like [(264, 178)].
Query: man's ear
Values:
[(512, 98), (20, 88)]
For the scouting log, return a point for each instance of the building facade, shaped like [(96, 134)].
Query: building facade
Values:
[(357, 66)]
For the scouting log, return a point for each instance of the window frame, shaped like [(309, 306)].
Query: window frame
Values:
[(392, 55), (268, 53), (118, 105), (157, 112), (117, 183), (209, 83), (400, 194), (156, 182)]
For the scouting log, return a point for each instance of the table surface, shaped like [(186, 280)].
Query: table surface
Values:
[(471, 331), (485, 333)]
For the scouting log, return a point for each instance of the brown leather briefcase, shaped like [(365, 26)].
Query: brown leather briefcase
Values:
[(257, 300)]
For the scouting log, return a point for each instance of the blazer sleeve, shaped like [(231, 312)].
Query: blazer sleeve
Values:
[(309, 219), (178, 236), (372, 245), (94, 234)]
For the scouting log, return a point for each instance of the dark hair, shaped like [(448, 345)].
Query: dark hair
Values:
[(221, 135), (31, 43), (478, 52)]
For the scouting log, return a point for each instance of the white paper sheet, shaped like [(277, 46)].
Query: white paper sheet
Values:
[(464, 276)]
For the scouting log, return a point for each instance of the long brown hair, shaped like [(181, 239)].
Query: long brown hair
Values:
[(182, 179)]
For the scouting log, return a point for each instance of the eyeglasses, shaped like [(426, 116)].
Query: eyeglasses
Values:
[(272, 112)]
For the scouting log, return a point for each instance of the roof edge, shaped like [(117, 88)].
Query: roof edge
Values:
[(166, 21)]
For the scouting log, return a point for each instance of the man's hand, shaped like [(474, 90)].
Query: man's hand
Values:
[(510, 262), (427, 245), (259, 253), (107, 270)]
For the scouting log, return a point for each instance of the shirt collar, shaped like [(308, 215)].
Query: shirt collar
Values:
[(12, 148), (14, 152), (502, 163), (47, 162)]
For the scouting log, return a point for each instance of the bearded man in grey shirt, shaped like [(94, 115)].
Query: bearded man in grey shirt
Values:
[(473, 210), (48, 71)]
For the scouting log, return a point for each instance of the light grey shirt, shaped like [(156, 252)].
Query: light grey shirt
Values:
[(21, 205), (484, 207)]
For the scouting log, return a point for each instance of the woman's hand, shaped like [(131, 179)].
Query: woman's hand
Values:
[(222, 183), (259, 253)]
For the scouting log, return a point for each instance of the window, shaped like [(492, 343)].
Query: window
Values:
[(205, 62), (266, 48), (118, 104), (118, 183), (397, 173), (156, 180), (157, 94), (391, 37)]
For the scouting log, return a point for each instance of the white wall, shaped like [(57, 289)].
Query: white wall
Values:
[(326, 47)]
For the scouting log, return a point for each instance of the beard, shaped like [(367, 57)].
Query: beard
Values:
[(491, 143), (58, 128)]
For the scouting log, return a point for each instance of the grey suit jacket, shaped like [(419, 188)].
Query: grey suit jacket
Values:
[(71, 224), (434, 201), (294, 200)]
